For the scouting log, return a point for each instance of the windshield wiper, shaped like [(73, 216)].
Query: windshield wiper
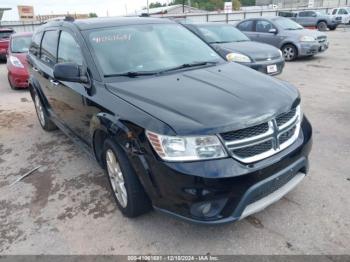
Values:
[(133, 74), (188, 65)]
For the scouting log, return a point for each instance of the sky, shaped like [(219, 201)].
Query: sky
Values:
[(100, 7)]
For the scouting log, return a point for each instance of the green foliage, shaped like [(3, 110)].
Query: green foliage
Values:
[(247, 2), (236, 4), (92, 15), (156, 4), (209, 5)]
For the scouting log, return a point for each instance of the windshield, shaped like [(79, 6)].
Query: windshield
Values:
[(287, 24), (147, 48), (5, 34), (20, 44), (222, 34)]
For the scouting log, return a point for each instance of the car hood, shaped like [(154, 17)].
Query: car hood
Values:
[(306, 32), (255, 50), (209, 100), (22, 57)]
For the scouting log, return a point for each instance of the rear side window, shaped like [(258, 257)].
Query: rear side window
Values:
[(49, 47), (69, 50), (246, 26), (334, 12), (35, 44)]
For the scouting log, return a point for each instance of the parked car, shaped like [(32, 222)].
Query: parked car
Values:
[(343, 13), (174, 125), (285, 34), (5, 34), (17, 60), (310, 18), (234, 46)]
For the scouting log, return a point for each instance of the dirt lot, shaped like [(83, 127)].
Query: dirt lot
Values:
[(66, 207)]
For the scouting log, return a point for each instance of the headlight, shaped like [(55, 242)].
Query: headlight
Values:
[(306, 38), (279, 50), (180, 148), (236, 57), (15, 62)]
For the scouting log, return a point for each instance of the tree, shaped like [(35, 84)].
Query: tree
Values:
[(209, 5), (156, 4), (236, 4), (92, 15)]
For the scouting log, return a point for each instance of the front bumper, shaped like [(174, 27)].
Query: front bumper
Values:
[(312, 48), (262, 66), (233, 189), (19, 77)]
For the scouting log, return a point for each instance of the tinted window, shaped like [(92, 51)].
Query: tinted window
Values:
[(221, 34), (307, 14), (246, 26), (334, 12), (343, 12), (6, 33), (263, 26), (156, 47), (35, 45), (49, 47), (69, 50), (20, 44)]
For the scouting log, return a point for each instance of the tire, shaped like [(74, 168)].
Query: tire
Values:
[(322, 26), (11, 85), (126, 188), (44, 121), (332, 28), (289, 52)]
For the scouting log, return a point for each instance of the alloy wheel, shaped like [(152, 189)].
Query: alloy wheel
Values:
[(116, 177), (39, 110), (288, 53)]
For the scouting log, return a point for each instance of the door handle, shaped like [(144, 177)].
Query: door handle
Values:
[(54, 82)]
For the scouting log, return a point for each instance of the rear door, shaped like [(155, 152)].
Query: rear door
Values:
[(247, 27), (42, 67), (307, 18)]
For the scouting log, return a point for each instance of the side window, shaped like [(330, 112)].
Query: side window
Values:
[(334, 11), (69, 50), (303, 14), (35, 44), (49, 47), (263, 26), (342, 12), (246, 26)]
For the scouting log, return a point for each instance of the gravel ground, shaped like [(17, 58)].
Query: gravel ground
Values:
[(66, 206)]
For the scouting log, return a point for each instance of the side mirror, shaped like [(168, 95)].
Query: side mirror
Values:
[(273, 31), (70, 72)]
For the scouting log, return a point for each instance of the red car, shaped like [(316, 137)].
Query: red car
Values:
[(17, 60), (5, 34)]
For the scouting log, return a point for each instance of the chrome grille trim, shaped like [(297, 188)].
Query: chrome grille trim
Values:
[(273, 133)]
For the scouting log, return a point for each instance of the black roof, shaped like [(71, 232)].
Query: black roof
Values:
[(93, 23)]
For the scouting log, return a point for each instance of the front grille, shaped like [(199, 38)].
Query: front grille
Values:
[(270, 187), (246, 132), (267, 59), (284, 137), (322, 39), (285, 117), (258, 142), (253, 150)]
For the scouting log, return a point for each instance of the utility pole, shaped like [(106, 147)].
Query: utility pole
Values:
[(183, 6), (147, 7)]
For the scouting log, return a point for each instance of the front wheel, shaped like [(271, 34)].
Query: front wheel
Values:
[(127, 190), (332, 28), (289, 52)]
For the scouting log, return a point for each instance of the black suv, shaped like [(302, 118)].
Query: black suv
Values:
[(175, 126)]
